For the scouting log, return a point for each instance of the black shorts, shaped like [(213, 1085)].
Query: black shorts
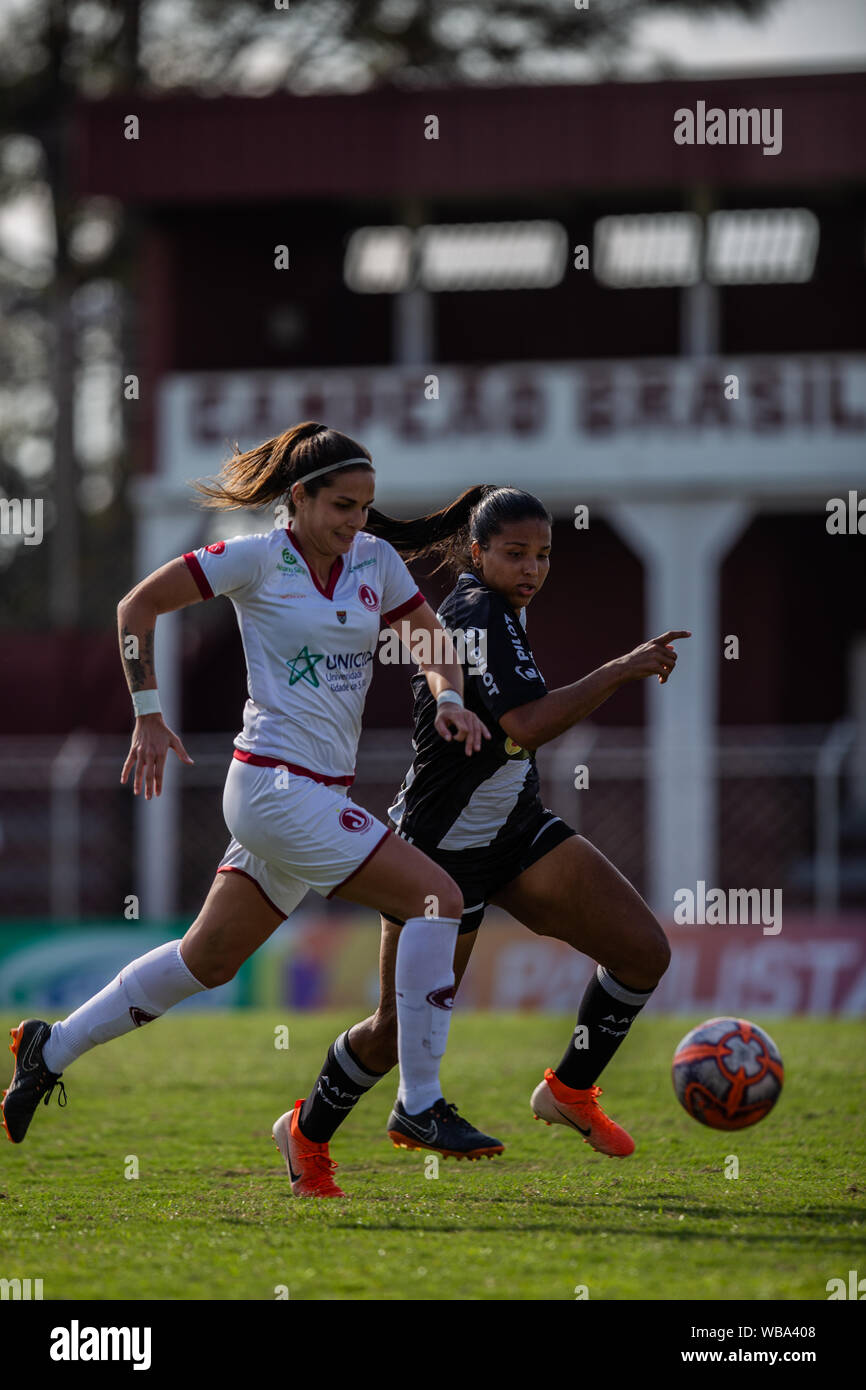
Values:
[(480, 872)]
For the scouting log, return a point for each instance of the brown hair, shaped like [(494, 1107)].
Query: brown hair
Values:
[(268, 472)]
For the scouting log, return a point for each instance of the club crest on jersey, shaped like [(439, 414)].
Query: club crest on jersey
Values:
[(217, 548), (355, 818), (341, 615), (368, 597)]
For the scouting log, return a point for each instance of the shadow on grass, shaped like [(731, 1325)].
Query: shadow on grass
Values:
[(841, 1243)]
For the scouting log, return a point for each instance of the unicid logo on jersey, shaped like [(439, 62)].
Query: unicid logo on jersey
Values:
[(368, 597), (355, 818), (217, 548), (303, 667), (349, 661)]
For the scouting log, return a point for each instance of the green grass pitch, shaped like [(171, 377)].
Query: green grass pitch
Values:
[(211, 1215)]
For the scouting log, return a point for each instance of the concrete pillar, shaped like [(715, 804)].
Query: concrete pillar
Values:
[(857, 712), (682, 544), (413, 325), (700, 305), (164, 529)]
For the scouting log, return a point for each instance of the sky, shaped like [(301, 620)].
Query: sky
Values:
[(797, 35)]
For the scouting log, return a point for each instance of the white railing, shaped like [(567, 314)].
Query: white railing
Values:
[(65, 821)]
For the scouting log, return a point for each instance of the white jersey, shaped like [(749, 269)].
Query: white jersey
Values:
[(309, 650)]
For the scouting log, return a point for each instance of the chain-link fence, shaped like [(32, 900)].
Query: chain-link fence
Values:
[(68, 829)]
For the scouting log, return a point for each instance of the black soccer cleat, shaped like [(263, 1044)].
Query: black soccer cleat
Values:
[(442, 1130), (31, 1079)]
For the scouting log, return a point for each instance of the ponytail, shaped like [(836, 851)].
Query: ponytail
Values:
[(268, 472)]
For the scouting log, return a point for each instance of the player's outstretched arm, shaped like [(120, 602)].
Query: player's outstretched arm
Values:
[(539, 721), (168, 588), (422, 634)]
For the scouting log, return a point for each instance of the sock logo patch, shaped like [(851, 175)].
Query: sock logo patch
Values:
[(326, 1085), (139, 1017), (442, 998)]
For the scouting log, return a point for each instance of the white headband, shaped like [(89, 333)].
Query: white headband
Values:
[(344, 463)]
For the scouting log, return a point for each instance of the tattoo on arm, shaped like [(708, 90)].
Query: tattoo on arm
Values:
[(140, 669)]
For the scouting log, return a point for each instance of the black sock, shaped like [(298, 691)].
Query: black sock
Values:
[(339, 1086), (607, 1010)]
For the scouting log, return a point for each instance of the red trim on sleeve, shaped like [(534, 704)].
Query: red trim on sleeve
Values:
[(408, 607), (199, 575)]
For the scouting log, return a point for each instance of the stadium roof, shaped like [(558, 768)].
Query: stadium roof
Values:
[(492, 140)]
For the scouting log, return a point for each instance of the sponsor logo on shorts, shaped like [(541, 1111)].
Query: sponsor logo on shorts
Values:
[(355, 818), (368, 597), (217, 548)]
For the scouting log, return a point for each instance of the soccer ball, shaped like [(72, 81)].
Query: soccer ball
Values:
[(727, 1073)]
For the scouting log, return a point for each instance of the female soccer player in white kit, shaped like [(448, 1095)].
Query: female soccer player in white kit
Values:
[(309, 598)]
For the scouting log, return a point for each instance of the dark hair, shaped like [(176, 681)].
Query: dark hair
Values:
[(268, 472), (477, 514)]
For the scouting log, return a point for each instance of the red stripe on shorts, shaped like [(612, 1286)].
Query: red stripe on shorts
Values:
[(259, 760), (233, 869)]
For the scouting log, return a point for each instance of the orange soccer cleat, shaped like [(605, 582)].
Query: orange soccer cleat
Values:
[(557, 1104), (310, 1165)]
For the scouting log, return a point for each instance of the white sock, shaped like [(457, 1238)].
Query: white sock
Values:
[(142, 991), (424, 980)]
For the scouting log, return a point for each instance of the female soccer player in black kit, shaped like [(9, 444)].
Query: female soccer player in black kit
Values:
[(482, 820)]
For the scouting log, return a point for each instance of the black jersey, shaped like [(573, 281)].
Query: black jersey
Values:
[(448, 800)]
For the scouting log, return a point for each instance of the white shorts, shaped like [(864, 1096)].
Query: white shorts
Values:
[(290, 834)]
